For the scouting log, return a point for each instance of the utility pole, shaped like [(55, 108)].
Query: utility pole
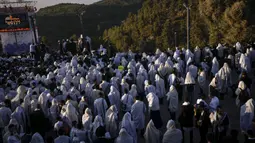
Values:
[(175, 39), (81, 20), (34, 28), (188, 25)]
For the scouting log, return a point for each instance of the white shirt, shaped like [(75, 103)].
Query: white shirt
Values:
[(32, 48)]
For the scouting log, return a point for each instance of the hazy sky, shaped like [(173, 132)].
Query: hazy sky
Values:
[(44, 3)]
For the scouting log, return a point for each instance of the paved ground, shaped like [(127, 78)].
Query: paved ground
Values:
[(228, 105)]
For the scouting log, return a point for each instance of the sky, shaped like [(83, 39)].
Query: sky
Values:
[(44, 3)]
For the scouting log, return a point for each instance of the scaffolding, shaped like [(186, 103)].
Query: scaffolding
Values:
[(17, 3)]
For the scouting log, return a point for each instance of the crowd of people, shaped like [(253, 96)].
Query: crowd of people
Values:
[(93, 98)]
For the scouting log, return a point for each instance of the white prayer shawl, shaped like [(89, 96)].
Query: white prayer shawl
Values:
[(152, 72), (111, 120), (82, 84), (220, 50), (153, 102), (54, 110), (215, 66), (133, 91), (149, 89), (124, 86), (169, 62), (115, 81), (162, 70), (247, 115), (114, 97), (188, 54), (193, 70), (20, 116), (160, 86), (42, 100), (100, 107), (172, 134), (245, 63), (37, 138), (98, 121), (71, 114), (172, 79), (222, 80), (87, 120), (152, 134), (140, 83), (202, 81), (5, 115), (172, 98), (82, 105), (129, 125), (228, 76), (197, 55), (124, 137), (238, 46), (176, 54), (127, 100), (214, 103), (89, 89), (204, 66), (169, 69), (189, 79), (13, 139), (74, 61), (138, 111)]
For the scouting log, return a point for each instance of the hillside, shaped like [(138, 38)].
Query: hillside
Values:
[(61, 21), (212, 21)]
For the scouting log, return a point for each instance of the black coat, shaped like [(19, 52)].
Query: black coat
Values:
[(186, 117)]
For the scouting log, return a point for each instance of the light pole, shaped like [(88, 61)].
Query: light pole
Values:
[(81, 20), (175, 39), (188, 25)]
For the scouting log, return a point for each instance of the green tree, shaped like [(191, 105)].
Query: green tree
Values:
[(44, 39)]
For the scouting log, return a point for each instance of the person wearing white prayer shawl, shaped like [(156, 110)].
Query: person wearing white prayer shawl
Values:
[(129, 125), (114, 97), (100, 106), (115, 81), (105, 86), (5, 114), (138, 111), (42, 100), (176, 53), (14, 137), (127, 101), (172, 100), (154, 109), (61, 137), (98, 121), (193, 70), (160, 88), (71, 114), (149, 88), (220, 51), (20, 116), (190, 82), (124, 137), (18, 127), (140, 84), (76, 134), (215, 66), (37, 138), (82, 105), (247, 115), (188, 54), (162, 70), (124, 62), (21, 92), (202, 82), (197, 55), (59, 124), (151, 74), (152, 134), (88, 93), (124, 86), (87, 122), (245, 63), (214, 103), (133, 91), (172, 134), (54, 111), (111, 121)]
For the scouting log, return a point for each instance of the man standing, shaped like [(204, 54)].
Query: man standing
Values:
[(32, 50)]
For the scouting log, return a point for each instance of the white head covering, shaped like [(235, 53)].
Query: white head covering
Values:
[(189, 79), (152, 134), (124, 137), (87, 119), (128, 124), (37, 138), (98, 121), (242, 85)]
